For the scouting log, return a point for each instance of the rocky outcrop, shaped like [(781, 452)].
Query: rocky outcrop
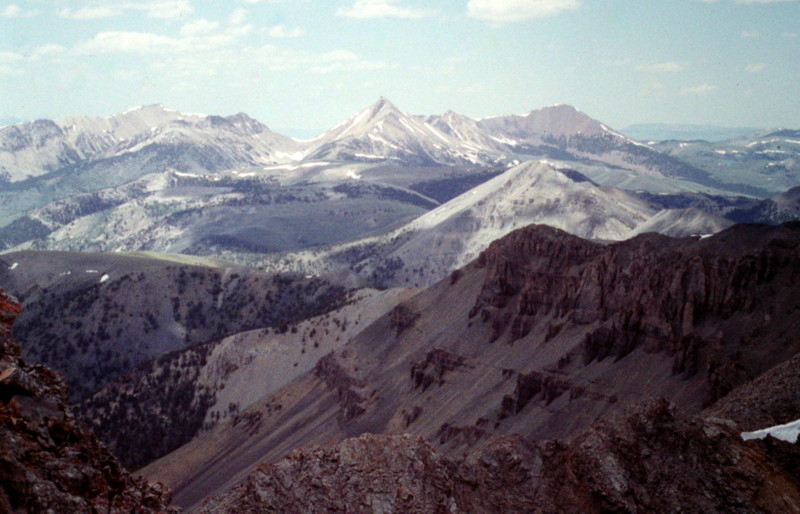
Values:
[(345, 387), (402, 318), (434, 367), (652, 459), (364, 474), (535, 262), (48, 461), (545, 387), (771, 399), (656, 459), (703, 302)]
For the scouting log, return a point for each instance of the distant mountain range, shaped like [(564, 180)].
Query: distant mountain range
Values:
[(149, 139), (381, 132), (217, 294), (152, 178), (685, 132), (153, 136), (768, 160)]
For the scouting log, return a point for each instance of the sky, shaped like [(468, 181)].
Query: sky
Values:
[(303, 66)]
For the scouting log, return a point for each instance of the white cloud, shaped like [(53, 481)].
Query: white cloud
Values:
[(199, 27), (196, 37), (504, 11), (749, 1), (9, 56), (663, 67), (128, 42), (238, 16), (89, 13), (355, 64), (48, 50), (12, 11), (8, 71), (240, 30), (381, 9), (15, 11), (282, 31), (756, 67), (275, 1), (202, 49), (162, 9), (751, 34), (165, 9), (702, 89)]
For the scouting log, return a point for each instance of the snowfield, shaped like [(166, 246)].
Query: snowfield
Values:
[(787, 432)]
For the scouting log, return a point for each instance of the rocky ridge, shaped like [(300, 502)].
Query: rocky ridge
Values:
[(651, 459), (48, 461), (681, 297), (541, 336)]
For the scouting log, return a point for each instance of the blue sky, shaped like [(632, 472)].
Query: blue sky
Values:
[(309, 64)]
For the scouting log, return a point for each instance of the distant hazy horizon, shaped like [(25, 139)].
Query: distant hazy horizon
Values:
[(309, 64)]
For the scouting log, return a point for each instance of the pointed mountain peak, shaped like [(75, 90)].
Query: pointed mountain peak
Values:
[(453, 115), (383, 101), (383, 105)]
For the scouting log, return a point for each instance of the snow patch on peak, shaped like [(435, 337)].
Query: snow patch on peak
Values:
[(131, 110)]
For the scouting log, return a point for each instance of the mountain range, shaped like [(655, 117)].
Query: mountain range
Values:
[(773, 155), (540, 336), (153, 136), (191, 183), (526, 312)]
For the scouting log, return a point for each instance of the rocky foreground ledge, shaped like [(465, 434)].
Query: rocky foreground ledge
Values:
[(48, 462), (650, 459)]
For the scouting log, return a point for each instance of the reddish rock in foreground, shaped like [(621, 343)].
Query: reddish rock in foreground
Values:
[(651, 459), (48, 462)]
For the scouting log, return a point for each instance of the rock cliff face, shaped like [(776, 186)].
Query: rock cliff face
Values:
[(705, 303), (48, 462), (652, 459)]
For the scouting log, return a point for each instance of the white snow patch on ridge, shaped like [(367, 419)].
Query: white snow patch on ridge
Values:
[(787, 432), (13, 266)]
